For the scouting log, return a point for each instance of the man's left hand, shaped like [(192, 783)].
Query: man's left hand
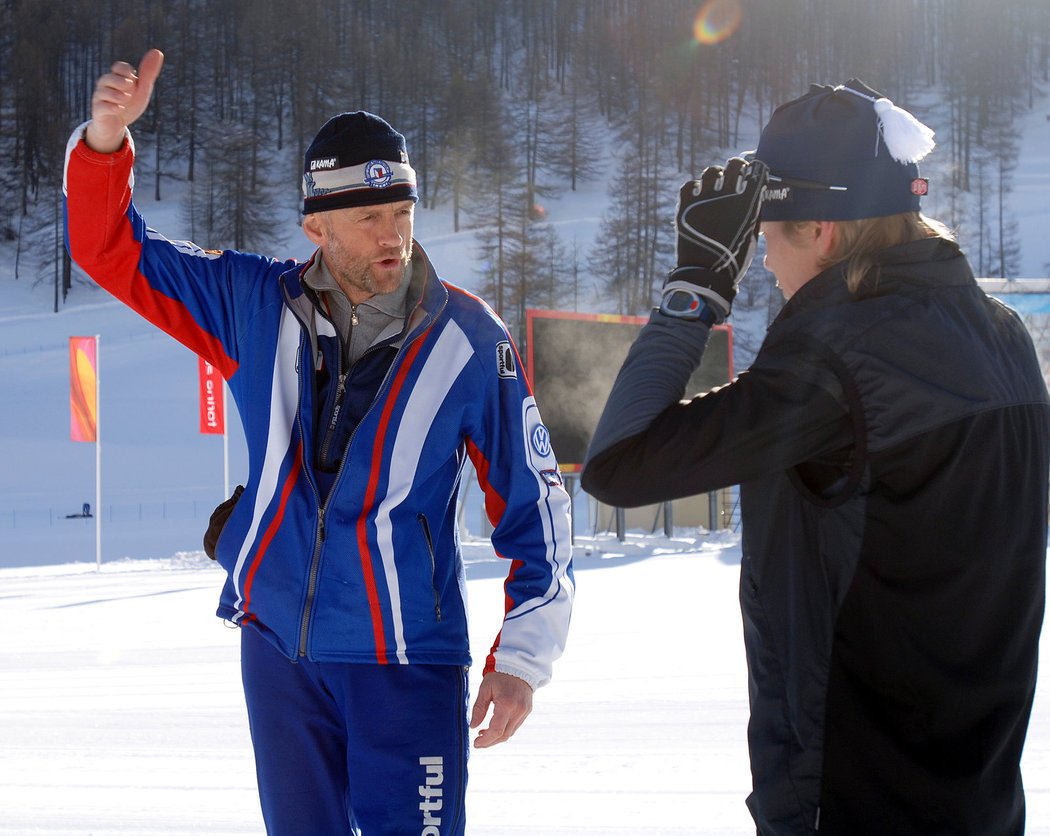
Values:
[(511, 701)]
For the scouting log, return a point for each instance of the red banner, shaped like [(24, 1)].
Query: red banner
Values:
[(213, 418), (83, 389)]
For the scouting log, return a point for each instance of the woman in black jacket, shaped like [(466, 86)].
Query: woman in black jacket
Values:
[(892, 444)]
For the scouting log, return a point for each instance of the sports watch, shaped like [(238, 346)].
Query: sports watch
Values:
[(682, 300)]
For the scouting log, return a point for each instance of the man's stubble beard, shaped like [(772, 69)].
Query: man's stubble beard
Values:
[(358, 275)]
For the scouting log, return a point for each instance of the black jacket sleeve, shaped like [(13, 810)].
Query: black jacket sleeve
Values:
[(649, 446)]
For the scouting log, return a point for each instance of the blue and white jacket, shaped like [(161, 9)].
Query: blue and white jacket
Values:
[(373, 573)]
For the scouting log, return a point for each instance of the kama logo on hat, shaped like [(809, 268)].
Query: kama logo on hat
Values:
[(920, 186), (324, 162), (780, 193), (378, 174)]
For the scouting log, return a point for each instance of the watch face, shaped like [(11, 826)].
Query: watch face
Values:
[(681, 303)]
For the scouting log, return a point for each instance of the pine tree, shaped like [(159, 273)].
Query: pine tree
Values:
[(229, 205), (635, 244)]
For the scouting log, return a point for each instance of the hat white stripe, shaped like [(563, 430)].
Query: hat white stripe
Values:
[(376, 174)]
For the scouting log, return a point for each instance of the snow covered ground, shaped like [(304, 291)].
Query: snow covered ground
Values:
[(121, 710), (120, 702)]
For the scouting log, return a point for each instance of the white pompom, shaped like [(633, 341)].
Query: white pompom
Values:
[(906, 138)]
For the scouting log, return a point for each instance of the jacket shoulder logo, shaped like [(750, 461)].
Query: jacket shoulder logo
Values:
[(505, 361), (541, 440)]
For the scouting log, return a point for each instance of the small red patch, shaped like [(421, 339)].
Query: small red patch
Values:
[(920, 186)]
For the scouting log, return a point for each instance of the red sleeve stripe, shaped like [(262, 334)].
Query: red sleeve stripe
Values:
[(271, 530), (495, 505)]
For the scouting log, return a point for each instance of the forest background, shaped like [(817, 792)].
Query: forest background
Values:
[(507, 104)]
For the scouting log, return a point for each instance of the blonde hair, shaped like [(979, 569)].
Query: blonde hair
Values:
[(857, 241)]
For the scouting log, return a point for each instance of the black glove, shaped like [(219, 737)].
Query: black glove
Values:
[(217, 522), (717, 224)]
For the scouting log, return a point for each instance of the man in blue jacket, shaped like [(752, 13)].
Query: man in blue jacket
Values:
[(364, 383)]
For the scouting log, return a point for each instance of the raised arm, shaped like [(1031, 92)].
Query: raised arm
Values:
[(196, 296), (717, 224), (121, 97)]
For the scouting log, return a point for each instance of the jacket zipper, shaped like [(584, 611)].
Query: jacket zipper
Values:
[(311, 586), (315, 561), (337, 407), (425, 526)]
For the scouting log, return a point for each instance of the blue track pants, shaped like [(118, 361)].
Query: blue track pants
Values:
[(375, 750)]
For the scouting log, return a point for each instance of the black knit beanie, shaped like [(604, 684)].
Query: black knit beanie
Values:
[(356, 159)]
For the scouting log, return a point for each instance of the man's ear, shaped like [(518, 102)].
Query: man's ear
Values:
[(314, 229)]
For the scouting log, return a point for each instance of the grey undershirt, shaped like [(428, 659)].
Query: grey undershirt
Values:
[(363, 325)]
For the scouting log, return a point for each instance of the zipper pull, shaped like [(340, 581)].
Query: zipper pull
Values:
[(320, 523), (337, 407)]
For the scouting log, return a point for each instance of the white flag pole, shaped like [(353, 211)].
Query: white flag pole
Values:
[(225, 444), (98, 456)]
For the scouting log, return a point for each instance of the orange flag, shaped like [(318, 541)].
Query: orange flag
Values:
[(83, 389)]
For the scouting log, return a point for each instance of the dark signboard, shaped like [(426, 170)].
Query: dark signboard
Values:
[(573, 359)]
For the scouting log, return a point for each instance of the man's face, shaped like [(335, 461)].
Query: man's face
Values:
[(366, 248)]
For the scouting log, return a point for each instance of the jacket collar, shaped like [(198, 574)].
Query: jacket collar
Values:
[(915, 265), (426, 298)]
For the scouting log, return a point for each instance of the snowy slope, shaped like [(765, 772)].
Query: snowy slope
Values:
[(160, 478), (1031, 190)]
